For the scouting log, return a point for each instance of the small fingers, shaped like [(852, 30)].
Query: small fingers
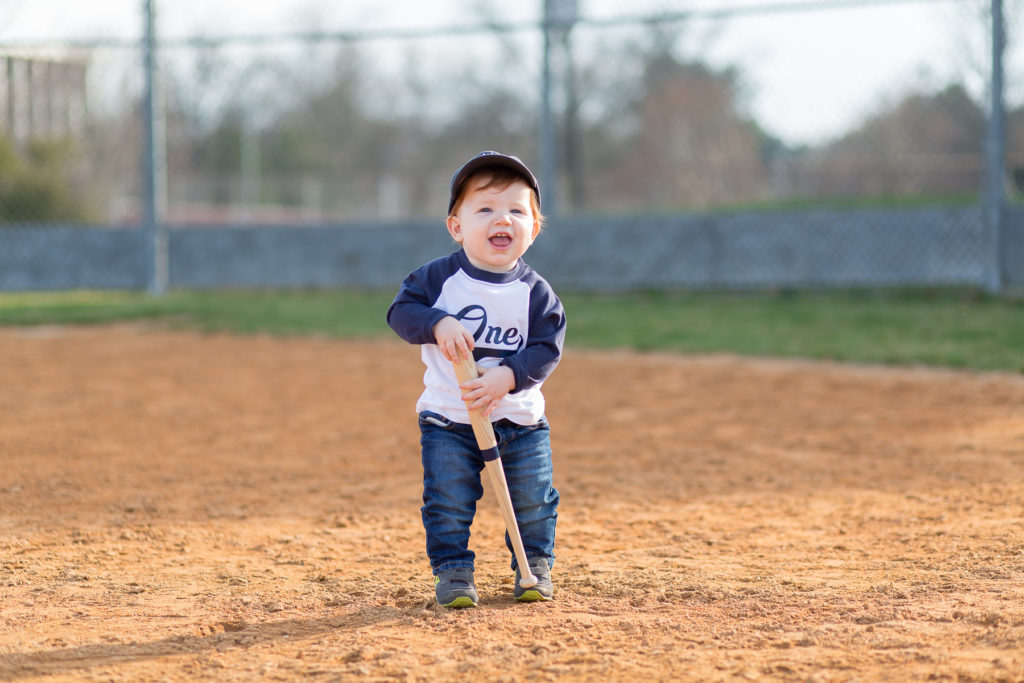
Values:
[(478, 399), (460, 350)]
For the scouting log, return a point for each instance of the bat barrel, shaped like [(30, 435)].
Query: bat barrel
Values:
[(500, 485)]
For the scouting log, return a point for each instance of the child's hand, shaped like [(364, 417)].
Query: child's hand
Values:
[(455, 340), (484, 392)]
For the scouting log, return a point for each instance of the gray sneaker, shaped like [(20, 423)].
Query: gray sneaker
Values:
[(543, 590), (455, 588)]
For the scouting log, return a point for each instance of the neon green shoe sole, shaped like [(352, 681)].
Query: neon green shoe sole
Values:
[(459, 603), (531, 595)]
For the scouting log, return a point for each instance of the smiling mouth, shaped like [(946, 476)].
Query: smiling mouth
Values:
[(500, 240)]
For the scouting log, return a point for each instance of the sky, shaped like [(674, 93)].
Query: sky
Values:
[(859, 56)]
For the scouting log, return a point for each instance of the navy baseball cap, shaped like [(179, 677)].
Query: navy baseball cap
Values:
[(485, 160)]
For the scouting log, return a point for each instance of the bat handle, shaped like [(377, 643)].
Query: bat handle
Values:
[(465, 370)]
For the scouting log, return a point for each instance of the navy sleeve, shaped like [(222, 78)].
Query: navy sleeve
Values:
[(411, 315), (537, 359)]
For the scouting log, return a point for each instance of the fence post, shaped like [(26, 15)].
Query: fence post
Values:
[(559, 17), (548, 136), (154, 162), (996, 153)]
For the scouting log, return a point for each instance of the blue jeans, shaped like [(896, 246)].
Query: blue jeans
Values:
[(452, 468)]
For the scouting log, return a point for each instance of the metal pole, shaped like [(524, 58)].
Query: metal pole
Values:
[(573, 134), (548, 142), (995, 191), (153, 161)]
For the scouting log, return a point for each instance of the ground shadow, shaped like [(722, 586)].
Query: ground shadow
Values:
[(224, 635)]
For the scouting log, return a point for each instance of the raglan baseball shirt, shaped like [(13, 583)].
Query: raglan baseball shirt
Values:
[(515, 319)]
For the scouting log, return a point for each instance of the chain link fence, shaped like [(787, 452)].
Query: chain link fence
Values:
[(685, 144)]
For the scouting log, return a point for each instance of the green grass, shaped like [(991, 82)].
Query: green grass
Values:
[(336, 313), (941, 328), (951, 328)]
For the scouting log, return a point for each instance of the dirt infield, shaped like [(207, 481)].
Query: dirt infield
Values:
[(175, 506)]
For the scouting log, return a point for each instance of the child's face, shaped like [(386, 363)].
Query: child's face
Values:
[(494, 226)]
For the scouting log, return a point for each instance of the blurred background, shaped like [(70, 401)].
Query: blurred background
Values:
[(748, 143)]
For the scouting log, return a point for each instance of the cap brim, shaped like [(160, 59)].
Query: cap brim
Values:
[(490, 160)]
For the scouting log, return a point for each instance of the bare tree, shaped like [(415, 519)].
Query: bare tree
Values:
[(924, 145)]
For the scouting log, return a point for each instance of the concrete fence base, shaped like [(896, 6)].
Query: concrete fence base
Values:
[(815, 248)]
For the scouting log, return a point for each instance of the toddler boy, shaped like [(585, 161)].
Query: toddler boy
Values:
[(486, 301)]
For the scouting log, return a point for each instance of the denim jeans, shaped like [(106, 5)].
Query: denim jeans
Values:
[(452, 469)]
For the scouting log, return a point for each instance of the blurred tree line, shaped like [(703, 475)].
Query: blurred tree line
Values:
[(646, 125), (672, 133), (43, 182)]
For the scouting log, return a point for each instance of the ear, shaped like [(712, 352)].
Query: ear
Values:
[(454, 228), (536, 230)]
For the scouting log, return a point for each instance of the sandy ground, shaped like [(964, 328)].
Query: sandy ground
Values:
[(175, 506)]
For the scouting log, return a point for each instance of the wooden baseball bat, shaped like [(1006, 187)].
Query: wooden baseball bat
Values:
[(465, 370)]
